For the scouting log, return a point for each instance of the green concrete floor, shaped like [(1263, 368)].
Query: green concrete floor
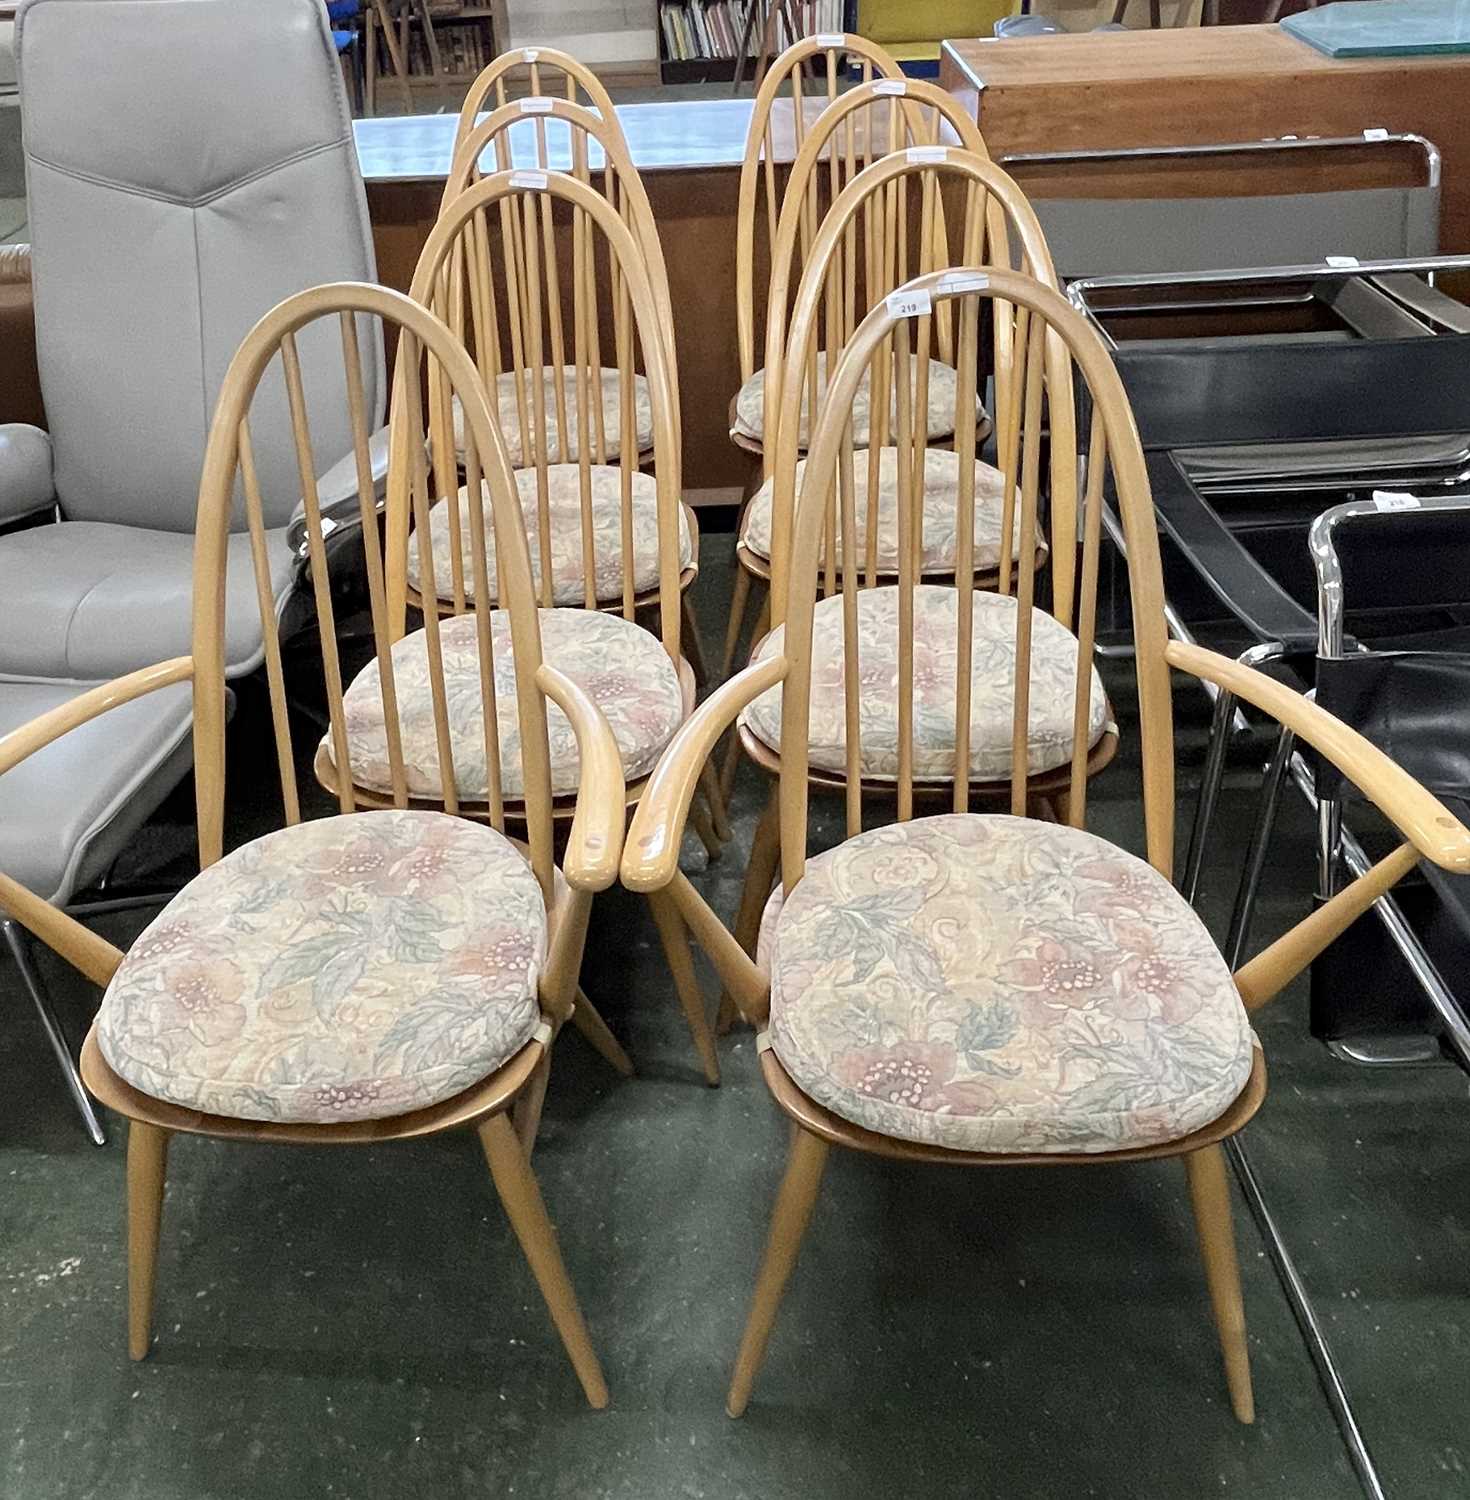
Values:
[(360, 1323)]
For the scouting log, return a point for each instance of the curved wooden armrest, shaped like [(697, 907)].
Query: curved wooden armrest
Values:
[(92, 955), (1420, 816), (651, 853), (596, 838), (40, 732)]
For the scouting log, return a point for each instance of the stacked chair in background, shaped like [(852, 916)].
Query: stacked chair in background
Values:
[(988, 987)]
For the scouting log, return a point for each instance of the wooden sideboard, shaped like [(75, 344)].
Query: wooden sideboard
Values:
[(1194, 87)]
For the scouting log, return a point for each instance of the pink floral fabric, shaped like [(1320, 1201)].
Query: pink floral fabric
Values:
[(940, 538), (750, 403), (623, 667), (350, 968), (989, 983), (936, 656), (564, 501), (605, 381)]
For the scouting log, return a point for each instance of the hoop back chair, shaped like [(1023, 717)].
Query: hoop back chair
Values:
[(887, 244), (985, 990), (602, 530), (762, 191), (349, 979), (587, 522), (579, 132), (545, 69), (829, 273)]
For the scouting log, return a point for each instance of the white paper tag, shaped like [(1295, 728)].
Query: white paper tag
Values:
[(891, 86), (530, 54), (537, 104), (1393, 500), (910, 304), (920, 156), (953, 285), (1341, 261), (535, 180), (830, 39), (1375, 133)]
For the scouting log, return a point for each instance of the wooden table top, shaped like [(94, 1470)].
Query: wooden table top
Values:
[(1177, 53), (682, 135)]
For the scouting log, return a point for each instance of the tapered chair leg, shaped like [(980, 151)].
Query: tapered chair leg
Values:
[(760, 873), (147, 1168), (738, 602), (587, 1019), (516, 1184), (719, 816), (526, 1112), (732, 754), (19, 943), (1209, 1188), (692, 643), (675, 940), (793, 1212)]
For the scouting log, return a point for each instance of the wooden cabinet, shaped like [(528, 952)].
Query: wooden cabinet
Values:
[(1226, 83)]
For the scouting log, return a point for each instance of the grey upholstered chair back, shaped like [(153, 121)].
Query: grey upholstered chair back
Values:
[(189, 163), (1106, 236)]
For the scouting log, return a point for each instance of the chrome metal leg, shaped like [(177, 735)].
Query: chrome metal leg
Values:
[(1255, 860), (1209, 793), (19, 943), (1306, 1318)]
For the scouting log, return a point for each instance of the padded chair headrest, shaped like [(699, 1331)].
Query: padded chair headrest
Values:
[(264, 90)]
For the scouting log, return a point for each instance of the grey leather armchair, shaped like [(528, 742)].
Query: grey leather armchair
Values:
[(176, 194)]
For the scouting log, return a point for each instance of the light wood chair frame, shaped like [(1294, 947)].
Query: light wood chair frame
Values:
[(650, 856), (505, 1107), (909, 114), (996, 212), (623, 188), (520, 195), (544, 66), (758, 168)]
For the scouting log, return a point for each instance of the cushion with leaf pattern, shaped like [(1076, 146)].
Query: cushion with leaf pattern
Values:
[(999, 984), (349, 968)]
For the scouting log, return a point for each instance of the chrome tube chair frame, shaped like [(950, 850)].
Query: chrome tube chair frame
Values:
[(1168, 403)]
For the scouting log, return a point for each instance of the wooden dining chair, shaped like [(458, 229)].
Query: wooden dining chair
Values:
[(777, 130), (640, 678), (890, 238), (538, 72), (545, 133), (973, 525), (380, 974), (982, 989)]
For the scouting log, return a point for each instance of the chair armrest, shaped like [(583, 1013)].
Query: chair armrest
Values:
[(651, 852), (336, 494), (92, 955), (1422, 819), (595, 842), (26, 483)]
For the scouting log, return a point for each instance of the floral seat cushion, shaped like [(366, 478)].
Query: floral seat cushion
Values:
[(936, 641), (989, 983), (750, 404), (623, 667), (507, 397), (564, 496), (940, 532), (350, 968)]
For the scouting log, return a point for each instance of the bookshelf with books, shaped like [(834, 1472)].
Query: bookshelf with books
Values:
[(464, 36), (699, 40)]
